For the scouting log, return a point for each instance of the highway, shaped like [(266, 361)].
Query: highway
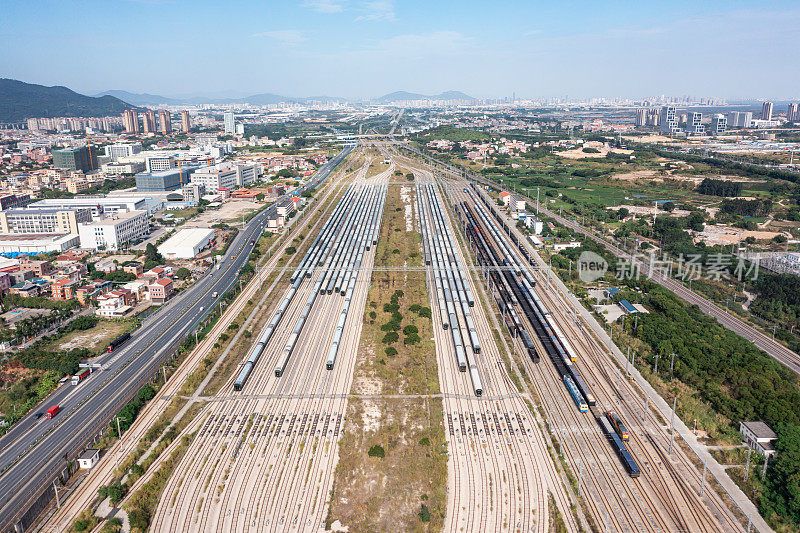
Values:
[(34, 452)]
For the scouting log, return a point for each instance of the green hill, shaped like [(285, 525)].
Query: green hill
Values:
[(20, 101)]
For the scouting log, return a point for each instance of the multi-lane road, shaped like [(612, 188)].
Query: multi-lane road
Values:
[(35, 451)]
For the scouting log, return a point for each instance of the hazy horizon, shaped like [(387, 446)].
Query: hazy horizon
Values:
[(364, 49)]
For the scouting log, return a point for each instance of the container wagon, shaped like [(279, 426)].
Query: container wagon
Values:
[(622, 452)]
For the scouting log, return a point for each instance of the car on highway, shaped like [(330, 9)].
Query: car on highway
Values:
[(252, 242), (39, 415)]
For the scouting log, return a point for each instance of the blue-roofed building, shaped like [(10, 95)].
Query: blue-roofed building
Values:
[(611, 292), (627, 307)]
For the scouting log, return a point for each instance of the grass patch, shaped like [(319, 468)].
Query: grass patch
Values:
[(392, 470)]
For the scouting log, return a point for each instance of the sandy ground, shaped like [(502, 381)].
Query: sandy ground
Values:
[(642, 210), (578, 153), (726, 235), (231, 210)]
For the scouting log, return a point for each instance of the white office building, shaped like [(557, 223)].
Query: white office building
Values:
[(115, 231), (161, 162), (117, 151), (226, 175), (229, 123), (740, 119), (99, 205)]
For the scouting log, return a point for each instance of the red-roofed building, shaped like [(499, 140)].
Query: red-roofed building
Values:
[(115, 303), (160, 290), (64, 289)]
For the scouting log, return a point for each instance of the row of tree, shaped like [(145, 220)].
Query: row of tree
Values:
[(714, 187)]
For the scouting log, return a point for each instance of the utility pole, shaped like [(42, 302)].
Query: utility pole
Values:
[(703, 479), (55, 488), (671, 364), (580, 476), (164, 371), (747, 468), (672, 424), (656, 369)]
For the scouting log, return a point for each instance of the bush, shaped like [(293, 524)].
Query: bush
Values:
[(390, 337), (408, 330), (424, 513), (390, 351), (290, 250), (377, 451)]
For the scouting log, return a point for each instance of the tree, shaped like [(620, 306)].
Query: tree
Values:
[(260, 197), (183, 273), (669, 207), (623, 213), (695, 221), (151, 253), (782, 496)]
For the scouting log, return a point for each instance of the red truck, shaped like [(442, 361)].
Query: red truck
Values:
[(53, 411)]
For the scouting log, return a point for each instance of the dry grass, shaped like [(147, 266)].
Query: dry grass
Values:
[(387, 494)]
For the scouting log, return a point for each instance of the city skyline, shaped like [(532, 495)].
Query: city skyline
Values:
[(361, 50)]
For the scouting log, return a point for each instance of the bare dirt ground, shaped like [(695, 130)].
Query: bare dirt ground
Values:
[(604, 149), (94, 339), (713, 235), (230, 211)]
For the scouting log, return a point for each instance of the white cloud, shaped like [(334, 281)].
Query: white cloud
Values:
[(378, 10), (325, 6), (284, 37)]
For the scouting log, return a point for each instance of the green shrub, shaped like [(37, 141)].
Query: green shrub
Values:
[(377, 451), (391, 351)]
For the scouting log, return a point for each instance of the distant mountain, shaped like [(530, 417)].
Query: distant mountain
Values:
[(140, 99), (20, 101), (403, 95), (144, 99)]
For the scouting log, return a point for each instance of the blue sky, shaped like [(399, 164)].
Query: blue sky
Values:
[(357, 48)]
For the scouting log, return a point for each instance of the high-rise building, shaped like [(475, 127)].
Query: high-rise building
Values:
[(149, 121), (185, 124), (82, 158), (719, 124), (740, 119), (131, 121), (641, 117), (166, 122), (793, 113), (766, 111), (694, 123), (229, 123), (667, 120)]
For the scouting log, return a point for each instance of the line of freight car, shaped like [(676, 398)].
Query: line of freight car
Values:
[(558, 348), (625, 456), (554, 345), (512, 320), (524, 251)]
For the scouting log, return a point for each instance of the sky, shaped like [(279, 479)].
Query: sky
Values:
[(365, 48)]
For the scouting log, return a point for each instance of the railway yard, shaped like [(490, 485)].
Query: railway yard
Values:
[(543, 431)]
